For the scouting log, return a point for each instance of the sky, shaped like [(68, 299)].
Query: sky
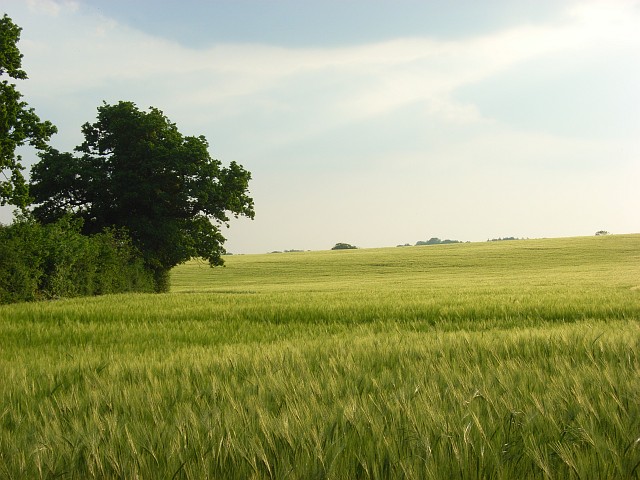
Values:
[(374, 122)]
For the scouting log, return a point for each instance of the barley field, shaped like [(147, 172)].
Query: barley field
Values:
[(500, 360)]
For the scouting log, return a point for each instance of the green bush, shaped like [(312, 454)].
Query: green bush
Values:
[(56, 260), (21, 261)]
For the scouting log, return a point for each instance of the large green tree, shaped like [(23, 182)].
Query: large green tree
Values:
[(19, 124), (136, 170)]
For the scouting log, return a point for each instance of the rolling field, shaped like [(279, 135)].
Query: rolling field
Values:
[(497, 360)]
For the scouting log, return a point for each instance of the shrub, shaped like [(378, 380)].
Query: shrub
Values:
[(56, 260), (21, 261)]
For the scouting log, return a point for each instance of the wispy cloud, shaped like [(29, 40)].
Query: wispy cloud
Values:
[(52, 7)]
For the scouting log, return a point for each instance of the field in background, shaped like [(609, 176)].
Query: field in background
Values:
[(505, 360)]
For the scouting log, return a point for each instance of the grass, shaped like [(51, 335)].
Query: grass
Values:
[(499, 360)]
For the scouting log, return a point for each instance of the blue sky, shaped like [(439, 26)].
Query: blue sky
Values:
[(369, 122)]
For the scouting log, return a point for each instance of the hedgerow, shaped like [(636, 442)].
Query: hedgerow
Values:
[(52, 261)]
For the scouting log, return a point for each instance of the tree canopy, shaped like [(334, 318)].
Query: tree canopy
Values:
[(19, 124), (343, 246), (137, 171)]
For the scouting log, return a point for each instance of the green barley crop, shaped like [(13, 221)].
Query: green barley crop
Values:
[(500, 360)]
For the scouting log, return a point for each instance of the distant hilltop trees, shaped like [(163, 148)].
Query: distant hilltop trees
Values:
[(431, 241), (503, 239), (343, 246), (436, 241)]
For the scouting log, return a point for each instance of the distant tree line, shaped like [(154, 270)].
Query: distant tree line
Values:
[(436, 241), (503, 239), (135, 199), (431, 241)]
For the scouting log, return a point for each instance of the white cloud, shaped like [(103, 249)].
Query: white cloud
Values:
[(93, 52)]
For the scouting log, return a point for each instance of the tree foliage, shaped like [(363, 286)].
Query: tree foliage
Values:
[(136, 171), (436, 241), (19, 124), (343, 246), (56, 260)]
